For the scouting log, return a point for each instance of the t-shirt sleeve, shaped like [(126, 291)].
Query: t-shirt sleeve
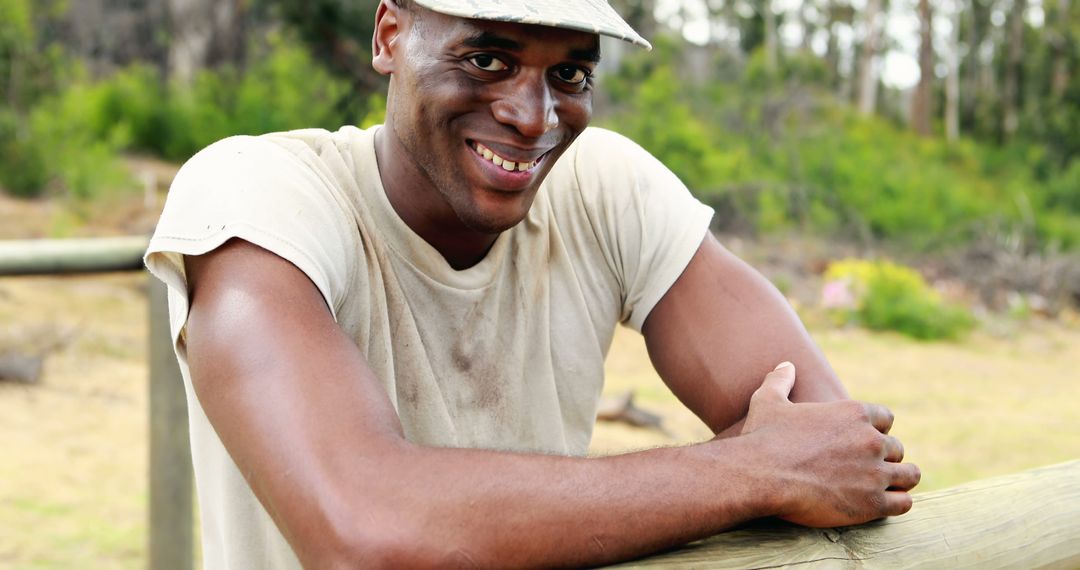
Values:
[(648, 223), (264, 193)]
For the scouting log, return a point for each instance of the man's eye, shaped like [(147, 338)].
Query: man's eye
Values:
[(488, 62), (572, 74)]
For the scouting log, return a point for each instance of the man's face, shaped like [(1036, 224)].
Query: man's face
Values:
[(483, 110)]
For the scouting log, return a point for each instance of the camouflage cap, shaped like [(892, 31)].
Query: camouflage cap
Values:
[(593, 16)]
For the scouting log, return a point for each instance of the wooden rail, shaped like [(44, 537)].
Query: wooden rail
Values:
[(1026, 520), (52, 257)]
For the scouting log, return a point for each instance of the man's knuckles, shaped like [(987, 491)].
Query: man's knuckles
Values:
[(905, 477), (879, 416), (894, 449)]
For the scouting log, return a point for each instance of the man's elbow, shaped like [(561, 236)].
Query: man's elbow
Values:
[(363, 548), (382, 536)]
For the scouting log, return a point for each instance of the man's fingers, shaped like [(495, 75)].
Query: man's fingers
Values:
[(880, 417), (778, 383), (894, 450), (896, 503), (904, 477)]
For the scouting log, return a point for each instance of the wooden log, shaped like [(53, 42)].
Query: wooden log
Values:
[(621, 408), (92, 255), (21, 368), (172, 528), (1026, 520)]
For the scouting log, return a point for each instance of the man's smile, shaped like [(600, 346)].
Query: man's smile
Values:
[(510, 162)]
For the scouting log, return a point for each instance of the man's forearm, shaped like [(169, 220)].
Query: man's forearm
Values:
[(493, 509)]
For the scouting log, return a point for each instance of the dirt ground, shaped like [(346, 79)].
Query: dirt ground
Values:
[(73, 468)]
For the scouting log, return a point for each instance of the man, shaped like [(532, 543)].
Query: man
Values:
[(392, 340)]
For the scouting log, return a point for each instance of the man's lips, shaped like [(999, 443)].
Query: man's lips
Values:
[(510, 161)]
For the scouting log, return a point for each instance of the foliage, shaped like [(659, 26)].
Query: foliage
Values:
[(23, 169), (284, 90), (72, 138), (30, 64), (58, 145), (338, 34), (887, 296), (771, 147), (663, 123), (775, 151), (45, 136)]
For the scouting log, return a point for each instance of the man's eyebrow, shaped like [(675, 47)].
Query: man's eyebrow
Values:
[(591, 55), (485, 39)]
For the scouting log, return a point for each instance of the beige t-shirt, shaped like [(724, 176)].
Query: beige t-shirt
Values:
[(507, 354)]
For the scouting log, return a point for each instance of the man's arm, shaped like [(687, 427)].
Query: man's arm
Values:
[(319, 442), (719, 329)]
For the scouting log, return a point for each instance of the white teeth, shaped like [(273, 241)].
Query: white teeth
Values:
[(507, 165)]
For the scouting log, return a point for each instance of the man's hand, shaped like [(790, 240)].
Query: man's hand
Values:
[(837, 464)]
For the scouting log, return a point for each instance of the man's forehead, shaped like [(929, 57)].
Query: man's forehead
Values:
[(513, 36)]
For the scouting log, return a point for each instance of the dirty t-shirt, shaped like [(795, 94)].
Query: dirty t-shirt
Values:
[(507, 354)]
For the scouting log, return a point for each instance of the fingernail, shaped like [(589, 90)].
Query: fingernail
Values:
[(783, 364)]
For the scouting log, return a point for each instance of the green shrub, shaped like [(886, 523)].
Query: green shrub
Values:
[(58, 146), (84, 163), (887, 296), (24, 171), (775, 149), (136, 109), (73, 137), (285, 90)]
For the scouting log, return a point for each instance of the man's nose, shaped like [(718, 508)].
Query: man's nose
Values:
[(529, 106)]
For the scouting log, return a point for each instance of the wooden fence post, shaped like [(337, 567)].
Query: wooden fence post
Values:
[(172, 529)]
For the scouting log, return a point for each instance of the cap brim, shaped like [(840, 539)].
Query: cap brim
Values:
[(591, 16)]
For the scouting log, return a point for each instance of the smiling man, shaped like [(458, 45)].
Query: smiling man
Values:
[(393, 339)]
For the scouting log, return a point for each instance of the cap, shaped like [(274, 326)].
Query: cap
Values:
[(593, 16)]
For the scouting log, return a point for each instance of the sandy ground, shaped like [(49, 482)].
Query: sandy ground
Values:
[(73, 465)]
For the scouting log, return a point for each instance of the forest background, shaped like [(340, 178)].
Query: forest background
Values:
[(775, 113), (789, 118)]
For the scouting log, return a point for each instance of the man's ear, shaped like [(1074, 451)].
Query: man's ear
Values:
[(386, 38)]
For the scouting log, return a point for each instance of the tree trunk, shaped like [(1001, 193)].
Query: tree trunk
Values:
[(832, 46), (840, 13), (1011, 90), (204, 33), (921, 105), (952, 82), (807, 27), (111, 34), (868, 78), (639, 14), (771, 43), (1060, 80)]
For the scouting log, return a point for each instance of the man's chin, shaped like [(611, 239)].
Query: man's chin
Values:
[(491, 224), (498, 215)]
